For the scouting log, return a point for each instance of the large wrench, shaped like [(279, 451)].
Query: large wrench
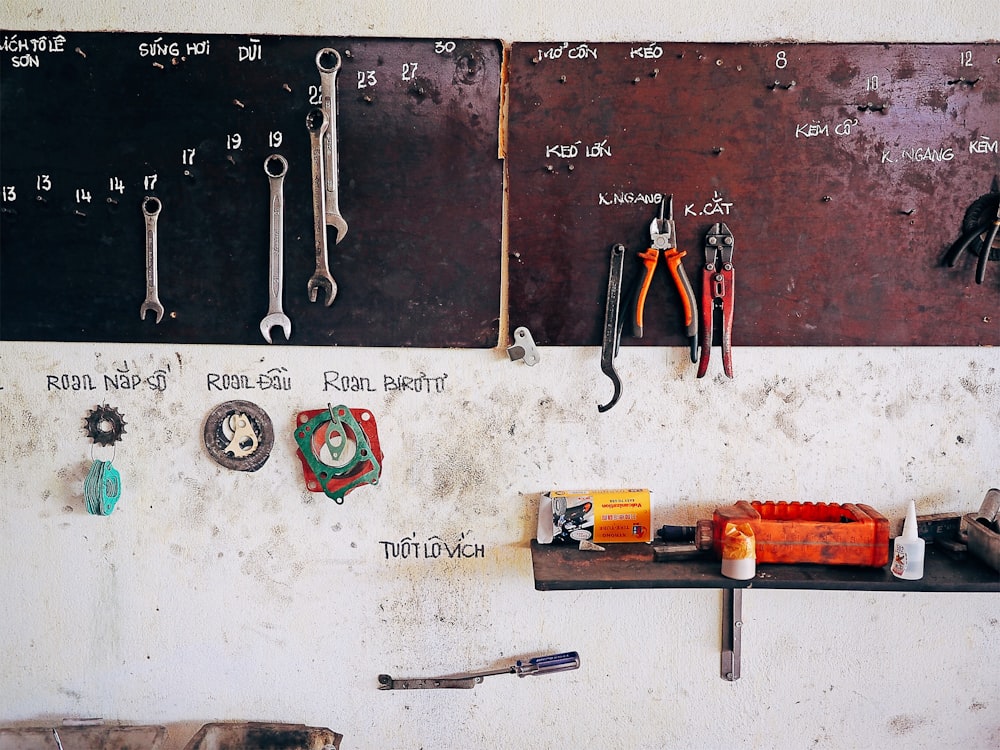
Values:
[(150, 210), (328, 90), (316, 123), (275, 167)]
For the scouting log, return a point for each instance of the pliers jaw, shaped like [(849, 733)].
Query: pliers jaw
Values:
[(717, 292), (659, 238), (661, 230)]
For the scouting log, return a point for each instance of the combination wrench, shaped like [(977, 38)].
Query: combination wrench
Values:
[(275, 166), (150, 210), (328, 91), (316, 124)]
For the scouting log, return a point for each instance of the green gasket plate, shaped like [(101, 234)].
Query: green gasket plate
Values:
[(337, 481)]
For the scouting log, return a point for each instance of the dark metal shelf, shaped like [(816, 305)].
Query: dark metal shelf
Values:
[(631, 566)]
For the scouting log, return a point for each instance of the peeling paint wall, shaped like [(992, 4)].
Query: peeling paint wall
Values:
[(211, 594)]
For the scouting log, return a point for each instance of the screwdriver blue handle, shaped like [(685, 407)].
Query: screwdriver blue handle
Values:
[(552, 663)]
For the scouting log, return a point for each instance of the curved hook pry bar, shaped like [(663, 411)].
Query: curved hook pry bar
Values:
[(612, 324)]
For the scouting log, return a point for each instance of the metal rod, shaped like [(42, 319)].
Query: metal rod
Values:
[(732, 626)]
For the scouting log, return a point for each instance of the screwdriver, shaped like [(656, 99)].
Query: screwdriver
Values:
[(539, 665)]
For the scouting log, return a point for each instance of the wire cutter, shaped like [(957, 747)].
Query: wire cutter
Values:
[(717, 292), (663, 238)]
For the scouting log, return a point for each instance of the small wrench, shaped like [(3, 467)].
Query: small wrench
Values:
[(150, 210), (316, 123), (328, 90), (275, 166)]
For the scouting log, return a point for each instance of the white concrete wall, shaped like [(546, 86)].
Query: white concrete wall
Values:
[(212, 594)]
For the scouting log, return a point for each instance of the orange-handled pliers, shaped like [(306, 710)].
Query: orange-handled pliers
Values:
[(663, 238)]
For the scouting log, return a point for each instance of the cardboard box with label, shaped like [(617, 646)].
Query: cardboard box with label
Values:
[(599, 516)]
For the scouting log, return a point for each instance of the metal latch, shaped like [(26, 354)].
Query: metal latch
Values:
[(524, 347)]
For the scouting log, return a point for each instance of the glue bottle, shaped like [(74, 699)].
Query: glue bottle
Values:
[(739, 552), (908, 550)]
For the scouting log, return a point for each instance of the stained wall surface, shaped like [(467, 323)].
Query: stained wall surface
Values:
[(211, 594)]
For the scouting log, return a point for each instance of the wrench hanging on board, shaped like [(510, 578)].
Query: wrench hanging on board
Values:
[(328, 63), (321, 280), (276, 166), (151, 210)]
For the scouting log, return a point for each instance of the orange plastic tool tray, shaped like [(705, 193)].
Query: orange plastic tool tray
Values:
[(830, 534)]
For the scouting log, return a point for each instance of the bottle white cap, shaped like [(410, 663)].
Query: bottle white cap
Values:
[(908, 549), (910, 524), (742, 569)]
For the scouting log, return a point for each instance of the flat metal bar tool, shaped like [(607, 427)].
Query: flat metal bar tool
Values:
[(613, 321), (732, 631), (539, 665)]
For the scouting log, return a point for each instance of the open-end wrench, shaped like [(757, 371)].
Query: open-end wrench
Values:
[(316, 124), (328, 63), (275, 167), (150, 210)]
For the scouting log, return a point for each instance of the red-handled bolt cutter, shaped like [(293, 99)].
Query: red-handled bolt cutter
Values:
[(717, 291), (663, 238)]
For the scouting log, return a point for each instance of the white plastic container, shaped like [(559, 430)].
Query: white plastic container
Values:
[(739, 552), (908, 549)]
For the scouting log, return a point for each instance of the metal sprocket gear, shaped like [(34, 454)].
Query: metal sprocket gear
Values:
[(105, 425)]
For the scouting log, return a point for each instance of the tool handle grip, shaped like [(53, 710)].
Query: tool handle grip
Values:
[(677, 533), (546, 664), (986, 248), (707, 320), (960, 245), (673, 258), (649, 260)]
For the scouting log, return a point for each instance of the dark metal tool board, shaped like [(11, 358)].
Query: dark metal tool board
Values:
[(843, 171), (90, 123)]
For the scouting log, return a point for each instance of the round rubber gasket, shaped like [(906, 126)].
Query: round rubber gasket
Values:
[(218, 442)]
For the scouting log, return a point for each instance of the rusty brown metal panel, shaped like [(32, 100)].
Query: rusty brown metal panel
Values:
[(843, 170), (99, 737), (421, 187), (263, 736)]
